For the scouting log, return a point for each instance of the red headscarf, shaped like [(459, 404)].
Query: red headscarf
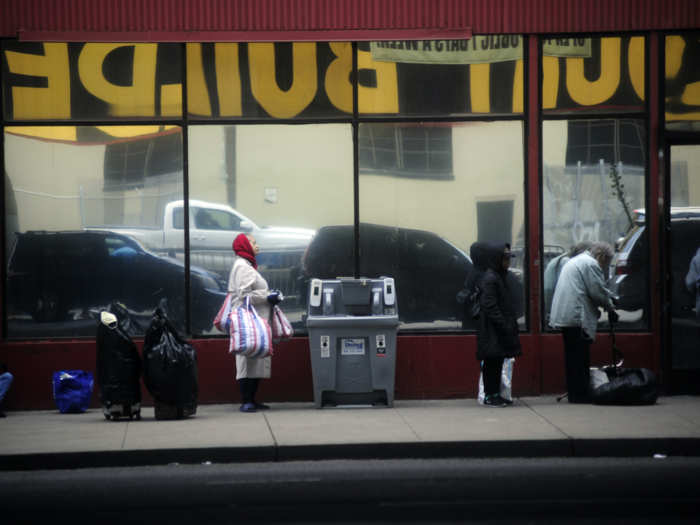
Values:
[(242, 247)]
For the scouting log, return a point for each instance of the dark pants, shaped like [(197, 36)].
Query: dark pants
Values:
[(492, 376), (577, 354), (248, 386)]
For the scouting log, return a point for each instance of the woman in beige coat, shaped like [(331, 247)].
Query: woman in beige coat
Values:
[(245, 281)]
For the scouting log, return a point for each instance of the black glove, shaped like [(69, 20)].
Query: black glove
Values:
[(613, 317), (275, 297)]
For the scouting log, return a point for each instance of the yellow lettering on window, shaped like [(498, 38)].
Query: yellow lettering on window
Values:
[(277, 102), (171, 100), (675, 55), (337, 81), (479, 86), (635, 60), (228, 79), (675, 45), (384, 98), (50, 102), (691, 94), (138, 99), (550, 82), (198, 102), (132, 131), (590, 93), (518, 87)]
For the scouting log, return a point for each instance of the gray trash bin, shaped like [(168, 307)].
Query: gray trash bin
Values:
[(352, 325)]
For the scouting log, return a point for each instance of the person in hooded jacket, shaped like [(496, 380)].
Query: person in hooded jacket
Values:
[(467, 295), (245, 281), (497, 329)]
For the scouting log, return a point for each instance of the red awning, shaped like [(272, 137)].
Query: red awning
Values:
[(329, 20)]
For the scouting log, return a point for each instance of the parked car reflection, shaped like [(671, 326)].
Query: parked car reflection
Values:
[(428, 269), (630, 266), (66, 277)]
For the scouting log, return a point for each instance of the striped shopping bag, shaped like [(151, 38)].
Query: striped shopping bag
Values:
[(250, 333), (280, 325), (223, 318)]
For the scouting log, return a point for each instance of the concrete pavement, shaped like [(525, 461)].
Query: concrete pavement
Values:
[(532, 427)]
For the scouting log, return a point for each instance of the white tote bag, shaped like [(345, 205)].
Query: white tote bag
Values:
[(506, 381)]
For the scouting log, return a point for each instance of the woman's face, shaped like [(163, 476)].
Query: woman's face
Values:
[(256, 249)]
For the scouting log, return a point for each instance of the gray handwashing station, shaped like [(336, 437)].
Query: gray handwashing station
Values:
[(352, 325)]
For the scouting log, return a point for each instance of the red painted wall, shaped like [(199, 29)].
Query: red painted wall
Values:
[(427, 367)]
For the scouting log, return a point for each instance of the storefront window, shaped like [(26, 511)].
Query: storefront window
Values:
[(417, 225), (684, 256), (269, 80), (281, 183), (482, 75), (94, 81), (682, 88), (595, 74), (86, 226), (593, 189), (96, 214)]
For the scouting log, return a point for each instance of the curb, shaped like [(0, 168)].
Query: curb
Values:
[(421, 450)]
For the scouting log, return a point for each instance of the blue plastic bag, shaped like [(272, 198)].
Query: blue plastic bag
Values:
[(72, 390)]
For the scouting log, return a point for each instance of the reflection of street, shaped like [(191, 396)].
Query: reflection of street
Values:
[(280, 269)]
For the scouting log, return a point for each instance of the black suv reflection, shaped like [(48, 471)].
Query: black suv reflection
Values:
[(64, 277), (428, 270), (629, 267)]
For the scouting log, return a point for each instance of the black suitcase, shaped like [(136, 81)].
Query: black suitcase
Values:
[(118, 365), (167, 411), (121, 410)]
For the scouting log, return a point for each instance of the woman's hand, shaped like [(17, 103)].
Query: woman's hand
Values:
[(275, 297)]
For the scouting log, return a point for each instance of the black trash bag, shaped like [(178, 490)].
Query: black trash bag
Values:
[(627, 386), (170, 364), (118, 359)]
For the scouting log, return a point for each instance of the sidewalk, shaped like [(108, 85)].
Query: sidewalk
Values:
[(532, 427)]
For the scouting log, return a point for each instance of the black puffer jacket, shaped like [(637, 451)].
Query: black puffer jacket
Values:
[(497, 333)]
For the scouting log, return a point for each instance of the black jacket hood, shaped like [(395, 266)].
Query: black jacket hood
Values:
[(492, 256), (478, 254)]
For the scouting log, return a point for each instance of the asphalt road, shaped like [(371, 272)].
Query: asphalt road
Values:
[(558, 490)]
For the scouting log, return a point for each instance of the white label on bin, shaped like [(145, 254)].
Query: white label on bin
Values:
[(325, 346), (381, 341), (352, 347)]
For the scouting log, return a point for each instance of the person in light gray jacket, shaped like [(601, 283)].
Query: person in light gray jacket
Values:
[(579, 294), (553, 269), (692, 281)]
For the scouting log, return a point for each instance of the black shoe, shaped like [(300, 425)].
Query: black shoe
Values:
[(506, 401), (2, 414), (494, 401)]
